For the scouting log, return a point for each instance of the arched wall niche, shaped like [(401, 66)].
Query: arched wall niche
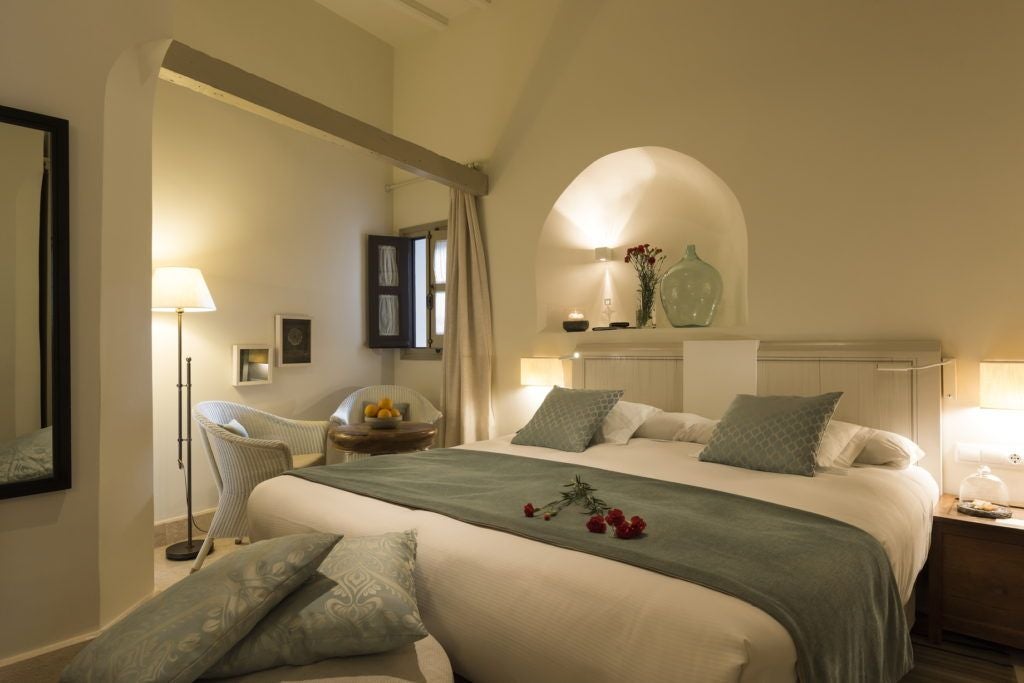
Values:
[(651, 195)]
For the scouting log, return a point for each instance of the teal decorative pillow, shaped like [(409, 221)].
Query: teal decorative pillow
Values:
[(362, 600), (177, 635), (568, 419), (236, 428), (772, 433)]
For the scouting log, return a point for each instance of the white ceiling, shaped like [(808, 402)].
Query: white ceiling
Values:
[(396, 21)]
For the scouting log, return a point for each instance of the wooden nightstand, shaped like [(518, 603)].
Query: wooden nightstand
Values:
[(976, 576)]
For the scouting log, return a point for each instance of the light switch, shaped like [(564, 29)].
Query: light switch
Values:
[(968, 452)]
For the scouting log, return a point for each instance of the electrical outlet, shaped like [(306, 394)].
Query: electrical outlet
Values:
[(1002, 455)]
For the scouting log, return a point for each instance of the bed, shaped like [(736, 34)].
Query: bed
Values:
[(511, 609)]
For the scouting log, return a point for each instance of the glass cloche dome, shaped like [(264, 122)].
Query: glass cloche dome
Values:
[(983, 494)]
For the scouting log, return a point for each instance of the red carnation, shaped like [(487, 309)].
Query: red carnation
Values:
[(547, 516), (615, 517), (528, 509), (630, 529), (596, 524)]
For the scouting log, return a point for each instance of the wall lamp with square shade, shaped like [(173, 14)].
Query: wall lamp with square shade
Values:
[(1002, 384), (544, 372)]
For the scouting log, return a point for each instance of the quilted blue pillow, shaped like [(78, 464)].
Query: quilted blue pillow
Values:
[(772, 433), (568, 419)]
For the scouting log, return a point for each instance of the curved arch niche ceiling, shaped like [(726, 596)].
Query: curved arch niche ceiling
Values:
[(649, 195)]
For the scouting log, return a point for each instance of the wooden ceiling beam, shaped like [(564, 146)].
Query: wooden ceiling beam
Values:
[(421, 12), (190, 68)]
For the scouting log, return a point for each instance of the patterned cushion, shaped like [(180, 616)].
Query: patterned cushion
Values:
[(361, 601), (236, 428), (772, 433), (568, 419), (177, 635)]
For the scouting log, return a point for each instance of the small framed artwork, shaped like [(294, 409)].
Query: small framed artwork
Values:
[(251, 364), (294, 340)]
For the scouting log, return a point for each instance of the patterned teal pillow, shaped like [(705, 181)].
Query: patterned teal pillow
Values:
[(362, 600), (568, 419), (772, 433), (178, 634)]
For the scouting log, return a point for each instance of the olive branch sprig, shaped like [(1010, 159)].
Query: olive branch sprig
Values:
[(580, 493)]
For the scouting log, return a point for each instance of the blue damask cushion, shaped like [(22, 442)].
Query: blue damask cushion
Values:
[(568, 419), (361, 601), (772, 433), (180, 633)]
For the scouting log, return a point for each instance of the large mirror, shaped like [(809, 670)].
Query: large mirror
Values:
[(35, 407)]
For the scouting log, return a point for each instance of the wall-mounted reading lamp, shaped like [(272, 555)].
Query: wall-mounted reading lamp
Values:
[(948, 366)]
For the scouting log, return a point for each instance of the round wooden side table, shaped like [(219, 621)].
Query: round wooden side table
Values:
[(360, 438)]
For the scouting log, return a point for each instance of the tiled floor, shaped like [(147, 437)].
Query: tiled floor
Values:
[(167, 572)]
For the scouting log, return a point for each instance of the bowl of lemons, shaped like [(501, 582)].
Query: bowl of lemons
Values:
[(382, 415)]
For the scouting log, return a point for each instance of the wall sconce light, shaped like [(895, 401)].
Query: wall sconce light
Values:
[(1002, 384), (603, 254), (544, 372)]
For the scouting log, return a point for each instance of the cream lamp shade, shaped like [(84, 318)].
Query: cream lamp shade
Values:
[(1002, 384), (181, 289), (542, 372)]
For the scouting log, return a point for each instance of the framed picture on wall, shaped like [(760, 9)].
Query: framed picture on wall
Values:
[(251, 364), (294, 339)]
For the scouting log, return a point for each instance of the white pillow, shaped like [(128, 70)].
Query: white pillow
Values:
[(664, 426), (622, 422), (889, 450), (699, 431), (841, 444)]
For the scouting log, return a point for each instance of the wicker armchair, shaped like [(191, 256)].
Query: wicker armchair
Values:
[(274, 445), (420, 409)]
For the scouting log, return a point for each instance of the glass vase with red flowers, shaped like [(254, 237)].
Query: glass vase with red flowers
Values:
[(648, 263)]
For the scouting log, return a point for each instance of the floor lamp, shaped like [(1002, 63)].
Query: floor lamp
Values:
[(183, 290)]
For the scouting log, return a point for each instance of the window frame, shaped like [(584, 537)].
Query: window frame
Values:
[(433, 232)]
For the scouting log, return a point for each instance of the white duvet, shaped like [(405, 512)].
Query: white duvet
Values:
[(509, 609)]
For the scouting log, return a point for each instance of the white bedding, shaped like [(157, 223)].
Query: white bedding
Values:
[(510, 609)]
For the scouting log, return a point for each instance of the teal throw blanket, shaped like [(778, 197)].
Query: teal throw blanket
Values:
[(828, 583)]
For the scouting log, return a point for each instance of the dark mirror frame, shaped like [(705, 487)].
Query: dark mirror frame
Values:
[(60, 380)]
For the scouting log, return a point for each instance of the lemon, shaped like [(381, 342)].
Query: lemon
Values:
[(370, 411), (385, 403), (383, 413)]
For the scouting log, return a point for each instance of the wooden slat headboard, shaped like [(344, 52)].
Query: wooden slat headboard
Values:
[(908, 403)]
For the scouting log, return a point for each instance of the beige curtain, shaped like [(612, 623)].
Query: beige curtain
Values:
[(468, 344)]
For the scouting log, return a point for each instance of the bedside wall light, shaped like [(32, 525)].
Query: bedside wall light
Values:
[(544, 372), (603, 254), (1002, 384)]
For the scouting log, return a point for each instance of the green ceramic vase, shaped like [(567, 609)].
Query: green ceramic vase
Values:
[(691, 291)]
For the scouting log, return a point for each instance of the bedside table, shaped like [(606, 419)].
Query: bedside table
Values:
[(976, 576)]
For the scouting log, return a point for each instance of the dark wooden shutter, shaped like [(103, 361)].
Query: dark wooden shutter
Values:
[(393, 293)]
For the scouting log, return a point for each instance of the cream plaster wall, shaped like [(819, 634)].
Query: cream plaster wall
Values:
[(71, 559), (644, 195), (874, 148), (275, 218)]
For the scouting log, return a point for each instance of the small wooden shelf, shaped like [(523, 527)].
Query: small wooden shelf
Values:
[(976, 576)]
